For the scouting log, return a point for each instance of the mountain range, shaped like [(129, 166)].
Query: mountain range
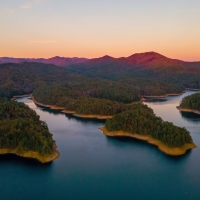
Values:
[(147, 59), (59, 61), (149, 65)]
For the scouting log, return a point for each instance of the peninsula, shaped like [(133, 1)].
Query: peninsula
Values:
[(23, 133), (140, 122)]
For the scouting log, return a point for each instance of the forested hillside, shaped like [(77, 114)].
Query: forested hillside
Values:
[(191, 102), (21, 129), (17, 79), (152, 88), (101, 89), (94, 106), (140, 119)]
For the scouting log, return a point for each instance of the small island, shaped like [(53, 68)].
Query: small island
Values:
[(190, 103), (139, 121), (22, 133)]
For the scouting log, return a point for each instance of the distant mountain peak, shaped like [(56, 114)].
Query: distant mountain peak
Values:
[(106, 57), (148, 54), (56, 57)]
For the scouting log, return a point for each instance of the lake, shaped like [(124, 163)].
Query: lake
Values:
[(93, 166)]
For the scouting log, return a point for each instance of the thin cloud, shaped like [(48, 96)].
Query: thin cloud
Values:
[(44, 41)]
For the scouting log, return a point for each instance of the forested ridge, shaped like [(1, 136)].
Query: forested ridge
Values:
[(21, 129), (88, 99), (140, 119), (191, 102), (23, 78)]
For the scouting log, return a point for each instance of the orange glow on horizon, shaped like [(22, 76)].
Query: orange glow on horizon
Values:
[(44, 29), (47, 52)]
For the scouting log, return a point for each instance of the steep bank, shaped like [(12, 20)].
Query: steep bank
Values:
[(162, 147)]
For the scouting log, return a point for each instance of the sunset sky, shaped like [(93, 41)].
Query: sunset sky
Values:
[(91, 28)]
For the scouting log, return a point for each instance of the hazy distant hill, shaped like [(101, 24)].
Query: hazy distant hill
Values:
[(148, 65), (59, 61), (145, 60)]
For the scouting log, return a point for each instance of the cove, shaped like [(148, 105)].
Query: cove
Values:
[(93, 166)]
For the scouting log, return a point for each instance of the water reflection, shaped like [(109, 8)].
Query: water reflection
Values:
[(44, 109), (191, 117), (156, 100), (70, 116), (14, 159), (126, 142)]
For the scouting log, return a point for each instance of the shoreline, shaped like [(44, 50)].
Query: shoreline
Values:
[(20, 96), (162, 147), (144, 97), (63, 110), (188, 110), (93, 116), (32, 154), (192, 89)]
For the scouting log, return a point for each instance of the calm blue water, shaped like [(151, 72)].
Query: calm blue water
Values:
[(92, 166)]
